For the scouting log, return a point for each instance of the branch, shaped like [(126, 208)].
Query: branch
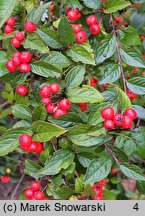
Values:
[(112, 155), (118, 54), (17, 186)]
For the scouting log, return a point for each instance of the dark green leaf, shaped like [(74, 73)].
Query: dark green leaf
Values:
[(118, 153), (136, 85), (31, 168), (98, 170), (73, 4), (39, 113), (113, 5), (22, 112), (93, 4), (141, 187), (65, 31)]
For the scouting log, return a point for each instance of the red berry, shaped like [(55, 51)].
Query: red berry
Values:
[(102, 182), (118, 119), (10, 65), (64, 104), (131, 113), (16, 54), (19, 36), (50, 108), (83, 106), (10, 21), (142, 37), (33, 147), (93, 82), (90, 20), (95, 29), (16, 60), (39, 148), (54, 88), (76, 28), (39, 195), (131, 95), (118, 19), (105, 86), (8, 29), (51, 7), (45, 91), (25, 57), (25, 139), (35, 186), (98, 198), (46, 101), (29, 26), (113, 171), (109, 124), (77, 13), (127, 122), (107, 113), (81, 37), (59, 113), (29, 193), (15, 43), (25, 68), (72, 15), (5, 179), (22, 90)]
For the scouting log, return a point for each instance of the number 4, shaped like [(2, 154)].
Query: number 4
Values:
[(136, 207)]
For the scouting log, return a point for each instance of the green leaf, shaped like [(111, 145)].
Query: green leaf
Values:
[(98, 170), (79, 184), (36, 15), (57, 59), (45, 69), (141, 187), (73, 4), (132, 57), (75, 76), (113, 5), (65, 32), (66, 121), (79, 136), (50, 38), (93, 4), (22, 112), (85, 159), (82, 53), (61, 159), (108, 195), (132, 171), (59, 193), (22, 123), (136, 85), (34, 42), (140, 111), (84, 94), (111, 74), (105, 48), (39, 113), (44, 131), (9, 140), (6, 9), (31, 168), (118, 153), (123, 100), (129, 36), (3, 60)]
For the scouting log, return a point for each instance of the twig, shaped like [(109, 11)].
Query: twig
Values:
[(138, 123), (17, 186), (118, 54), (111, 154)]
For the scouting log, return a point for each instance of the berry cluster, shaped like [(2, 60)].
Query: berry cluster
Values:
[(80, 36), (5, 179), (112, 119), (48, 94), (22, 90), (9, 27), (93, 82), (98, 189), (20, 60), (92, 22), (73, 15), (26, 144), (34, 192), (51, 9), (17, 39)]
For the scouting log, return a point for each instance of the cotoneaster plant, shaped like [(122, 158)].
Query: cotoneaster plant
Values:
[(72, 99)]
